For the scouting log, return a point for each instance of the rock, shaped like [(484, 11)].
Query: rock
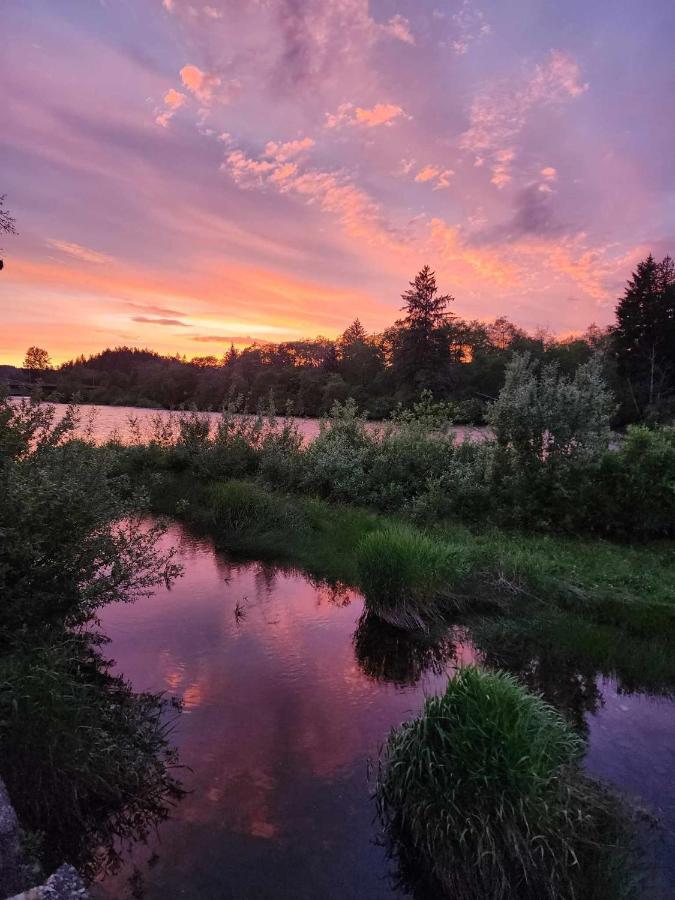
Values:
[(14, 874), (64, 884)]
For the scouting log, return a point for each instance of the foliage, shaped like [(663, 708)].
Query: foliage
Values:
[(633, 488), (484, 789), (36, 360), (543, 416), (87, 761), (71, 536)]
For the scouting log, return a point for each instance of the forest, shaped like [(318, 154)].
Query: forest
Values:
[(430, 348)]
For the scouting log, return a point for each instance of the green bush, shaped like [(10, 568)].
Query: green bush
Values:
[(484, 791), (633, 489)]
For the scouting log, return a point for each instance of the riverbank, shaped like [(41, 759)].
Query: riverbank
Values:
[(601, 602)]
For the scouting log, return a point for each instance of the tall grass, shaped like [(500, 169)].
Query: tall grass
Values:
[(403, 573), (484, 791)]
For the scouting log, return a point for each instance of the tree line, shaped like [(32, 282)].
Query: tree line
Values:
[(430, 348)]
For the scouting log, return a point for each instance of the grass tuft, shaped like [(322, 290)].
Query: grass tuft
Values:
[(484, 792), (403, 573)]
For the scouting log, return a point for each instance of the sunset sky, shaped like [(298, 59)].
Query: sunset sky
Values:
[(185, 175)]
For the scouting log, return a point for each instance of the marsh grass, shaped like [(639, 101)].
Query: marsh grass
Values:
[(405, 574), (240, 507), (410, 574), (484, 791)]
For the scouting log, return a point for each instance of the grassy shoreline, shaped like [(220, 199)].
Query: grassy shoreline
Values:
[(600, 603)]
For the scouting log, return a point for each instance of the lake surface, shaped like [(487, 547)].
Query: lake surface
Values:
[(284, 706), (104, 422)]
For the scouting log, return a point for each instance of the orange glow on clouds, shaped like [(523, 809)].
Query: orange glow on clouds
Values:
[(271, 171)]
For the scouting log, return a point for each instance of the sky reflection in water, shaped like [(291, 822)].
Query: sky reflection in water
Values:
[(284, 706)]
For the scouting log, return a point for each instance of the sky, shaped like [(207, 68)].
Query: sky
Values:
[(186, 175)]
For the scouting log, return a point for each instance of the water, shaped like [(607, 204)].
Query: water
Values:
[(284, 707), (102, 422)]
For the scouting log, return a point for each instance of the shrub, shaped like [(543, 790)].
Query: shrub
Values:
[(633, 489), (404, 572), (541, 415), (484, 791), (336, 462)]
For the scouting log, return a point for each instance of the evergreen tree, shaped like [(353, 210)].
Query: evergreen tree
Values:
[(354, 334), (644, 336), (422, 355)]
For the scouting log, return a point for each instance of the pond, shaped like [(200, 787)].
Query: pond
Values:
[(288, 695)]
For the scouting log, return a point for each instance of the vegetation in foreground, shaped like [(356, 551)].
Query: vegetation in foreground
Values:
[(604, 605), (87, 761), (484, 788)]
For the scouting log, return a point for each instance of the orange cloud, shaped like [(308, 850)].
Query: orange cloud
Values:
[(441, 177), (206, 86), (173, 100), (380, 114)]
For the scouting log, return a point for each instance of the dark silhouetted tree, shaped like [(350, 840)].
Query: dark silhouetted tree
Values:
[(644, 336), (36, 361), (7, 222), (422, 354)]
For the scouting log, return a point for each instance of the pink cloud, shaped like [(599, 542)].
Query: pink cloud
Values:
[(208, 87), (499, 113), (283, 152), (399, 27)]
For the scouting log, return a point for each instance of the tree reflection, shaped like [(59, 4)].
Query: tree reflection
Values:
[(88, 761), (400, 656), (568, 684)]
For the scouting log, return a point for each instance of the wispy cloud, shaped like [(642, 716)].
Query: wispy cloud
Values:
[(79, 252), (500, 111), (399, 27), (149, 320)]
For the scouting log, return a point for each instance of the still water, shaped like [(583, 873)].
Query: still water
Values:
[(104, 422), (285, 703)]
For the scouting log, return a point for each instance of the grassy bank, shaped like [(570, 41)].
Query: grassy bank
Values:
[(607, 603)]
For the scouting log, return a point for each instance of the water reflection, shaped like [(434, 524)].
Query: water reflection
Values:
[(396, 655), (285, 706), (570, 686)]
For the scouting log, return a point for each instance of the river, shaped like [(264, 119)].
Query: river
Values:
[(285, 703)]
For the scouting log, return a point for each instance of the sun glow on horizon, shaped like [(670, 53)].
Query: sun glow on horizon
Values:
[(176, 188)]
